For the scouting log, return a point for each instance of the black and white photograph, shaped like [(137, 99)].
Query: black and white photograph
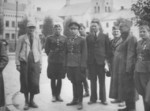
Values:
[(74, 55)]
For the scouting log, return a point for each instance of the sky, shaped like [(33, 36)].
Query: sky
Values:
[(58, 4)]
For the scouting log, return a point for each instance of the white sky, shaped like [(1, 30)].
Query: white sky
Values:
[(58, 4)]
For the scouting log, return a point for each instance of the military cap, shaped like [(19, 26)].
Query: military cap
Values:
[(74, 23), (57, 25), (115, 28), (31, 24), (81, 25)]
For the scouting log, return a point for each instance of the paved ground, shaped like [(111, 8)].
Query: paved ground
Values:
[(15, 98)]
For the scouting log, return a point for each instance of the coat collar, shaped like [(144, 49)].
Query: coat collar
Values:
[(27, 38)]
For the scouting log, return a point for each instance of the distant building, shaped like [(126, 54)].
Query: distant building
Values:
[(9, 18), (102, 9)]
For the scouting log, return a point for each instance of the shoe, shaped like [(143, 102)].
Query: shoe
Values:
[(91, 102), (33, 105), (72, 103), (54, 99), (104, 102), (59, 99), (80, 106), (26, 106), (121, 104), (115, 101), (86, 95)]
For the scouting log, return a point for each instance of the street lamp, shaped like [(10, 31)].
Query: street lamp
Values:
[(16, 24)]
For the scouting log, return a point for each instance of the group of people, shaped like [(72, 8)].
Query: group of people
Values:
[(81, 55)]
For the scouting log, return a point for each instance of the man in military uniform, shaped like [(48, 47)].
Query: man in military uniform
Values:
[(3, 63), (76, 54), (55, 50), (98, 46)]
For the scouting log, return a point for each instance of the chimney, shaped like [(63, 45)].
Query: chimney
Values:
[(67, 2)]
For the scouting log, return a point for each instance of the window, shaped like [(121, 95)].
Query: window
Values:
[(95, 9), (13, 24), (5, 1), (106, 9), (98, 9), (107, 25), (109, 10), (87, 24), (7, 24), (7, 36), (13, 36), (41, 26)]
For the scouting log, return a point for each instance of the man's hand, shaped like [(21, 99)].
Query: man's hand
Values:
[(18, 68)]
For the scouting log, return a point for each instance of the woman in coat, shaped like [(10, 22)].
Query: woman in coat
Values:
[(115, 77), (55, 50), (142, 69), (3, 63)]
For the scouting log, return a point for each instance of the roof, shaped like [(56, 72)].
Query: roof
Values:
[(74, 9), (126, 14), (12, 6)]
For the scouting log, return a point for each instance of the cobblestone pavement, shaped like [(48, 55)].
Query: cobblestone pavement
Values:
[(15, 98)]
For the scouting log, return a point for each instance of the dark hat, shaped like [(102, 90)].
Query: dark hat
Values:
[(74, 23), (115, 28), (57, 25), (82, 25)]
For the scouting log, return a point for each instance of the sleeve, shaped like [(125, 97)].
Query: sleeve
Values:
[(108, 49), (40, 51), (3, 56), (47, 45), (83, 53), (131, 54), (18, 49)]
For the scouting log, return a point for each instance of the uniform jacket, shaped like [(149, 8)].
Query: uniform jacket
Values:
[(3, 63), (98, 49), (55, 49), (143, 56), (23, 49), (76, 52)]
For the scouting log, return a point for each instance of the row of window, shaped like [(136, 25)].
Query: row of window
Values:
[(7, 36), (13, 16), (10, 24), (97, 9)]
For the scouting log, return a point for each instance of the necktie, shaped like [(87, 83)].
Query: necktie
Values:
[(95, 36), (31, 41)]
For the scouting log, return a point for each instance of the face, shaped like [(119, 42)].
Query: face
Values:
[(116, 33), (94, 27), (82, 31), (74, 30), (143, 32), (57, 30), (30, 30)]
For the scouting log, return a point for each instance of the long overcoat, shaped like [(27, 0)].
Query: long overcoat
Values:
[(3, 63), (55, 49), (123, 66)]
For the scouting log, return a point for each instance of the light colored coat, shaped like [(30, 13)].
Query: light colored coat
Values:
[(23, 49)]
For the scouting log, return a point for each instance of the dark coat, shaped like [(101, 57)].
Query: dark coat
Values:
[(55, 50), (3, 63), (123, 66), (98, 49), (76, 53)]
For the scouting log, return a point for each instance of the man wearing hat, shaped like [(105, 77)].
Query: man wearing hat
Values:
[(55, 50), (98, 46), (28, 63), (76, 56)]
